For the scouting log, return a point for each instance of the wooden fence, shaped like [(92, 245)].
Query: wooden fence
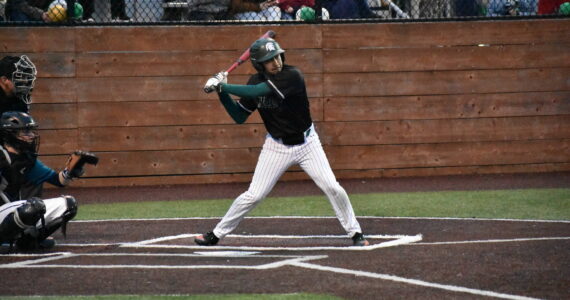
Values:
[(391, 99)]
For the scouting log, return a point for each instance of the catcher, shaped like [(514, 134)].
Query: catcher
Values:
[(17, 78), (29, 222)]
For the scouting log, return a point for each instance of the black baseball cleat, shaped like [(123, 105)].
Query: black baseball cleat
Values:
[(359, 240), (207, 239), (47, 244), (27, 244)]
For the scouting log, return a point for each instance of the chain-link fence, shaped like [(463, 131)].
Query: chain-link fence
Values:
[(276, 11)]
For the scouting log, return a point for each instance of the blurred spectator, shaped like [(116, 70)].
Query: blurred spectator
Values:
[(172, 13), (470, 8), (349, 9), (88, 9), (290, 7), (512, 7), (26, 10), (208, 10), (306, 13), (57, 11), (254, 10), (118, 11), (2, 6), (547, 7), (564, 9)]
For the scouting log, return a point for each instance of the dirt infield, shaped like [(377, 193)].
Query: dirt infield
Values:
[(410, 258)]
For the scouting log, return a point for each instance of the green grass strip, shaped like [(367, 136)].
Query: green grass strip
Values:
[(540, 204)]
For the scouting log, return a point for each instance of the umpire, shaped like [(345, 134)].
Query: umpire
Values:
[(17, 78)]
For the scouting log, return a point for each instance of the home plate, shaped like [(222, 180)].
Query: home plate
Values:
[(227, 253)]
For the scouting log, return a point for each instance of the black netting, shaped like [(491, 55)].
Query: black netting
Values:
[(247, 11)]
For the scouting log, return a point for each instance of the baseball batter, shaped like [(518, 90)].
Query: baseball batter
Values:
[(278, 92)]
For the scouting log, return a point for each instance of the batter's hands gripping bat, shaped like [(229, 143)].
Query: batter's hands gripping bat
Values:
[(243, 58)]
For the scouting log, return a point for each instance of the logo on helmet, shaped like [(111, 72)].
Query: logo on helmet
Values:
[(270, 46)]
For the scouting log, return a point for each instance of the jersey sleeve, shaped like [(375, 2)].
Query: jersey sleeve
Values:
[(41, 173), (247, 103)]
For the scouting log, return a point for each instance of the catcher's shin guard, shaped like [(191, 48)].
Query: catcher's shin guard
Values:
[(61, 222), (24, 218), (30, 213), (33, 239), (9, 230), (69, 214)]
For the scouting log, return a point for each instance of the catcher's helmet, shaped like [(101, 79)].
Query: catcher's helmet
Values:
[(263, 50), (22, 72), (19, 130)]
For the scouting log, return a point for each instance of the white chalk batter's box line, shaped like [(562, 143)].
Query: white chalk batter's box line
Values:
[(394, 240), (320, 218), (283, 260)]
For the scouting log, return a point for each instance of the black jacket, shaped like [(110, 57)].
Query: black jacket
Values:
[(12, 104)]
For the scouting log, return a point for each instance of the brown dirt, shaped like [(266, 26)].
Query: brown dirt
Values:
[(530, 261)]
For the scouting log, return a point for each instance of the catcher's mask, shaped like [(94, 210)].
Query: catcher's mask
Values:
[(20, 131), (22, 72), (263, 50)]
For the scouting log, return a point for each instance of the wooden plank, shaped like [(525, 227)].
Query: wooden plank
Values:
[(446, 106), (203, 63), (49, 64), (340, 174), (337, 133), (61, 141), (55, 116), (435, 34), (177, 162), (449, 154), (444, 130), (185, 38), (55, 90), (166, 113), (445, 171), (172, 137), (446, 58), (446, 82), (119, 89), (223, 161), (37, 39)]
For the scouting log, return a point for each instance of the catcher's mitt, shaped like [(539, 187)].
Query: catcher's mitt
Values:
[(77, 160)]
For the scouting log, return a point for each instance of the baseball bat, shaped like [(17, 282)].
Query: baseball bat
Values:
[(244, 56)]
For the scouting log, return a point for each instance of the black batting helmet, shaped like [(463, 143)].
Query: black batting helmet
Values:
[(263, 50), (14, 126)]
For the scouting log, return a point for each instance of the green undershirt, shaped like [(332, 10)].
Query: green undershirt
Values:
[(238, 113)]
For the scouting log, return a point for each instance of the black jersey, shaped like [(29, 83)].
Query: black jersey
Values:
[(285, 112), (11, 103), (17, 171)]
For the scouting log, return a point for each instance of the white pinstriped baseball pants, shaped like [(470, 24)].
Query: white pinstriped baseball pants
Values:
[(274, 160)]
